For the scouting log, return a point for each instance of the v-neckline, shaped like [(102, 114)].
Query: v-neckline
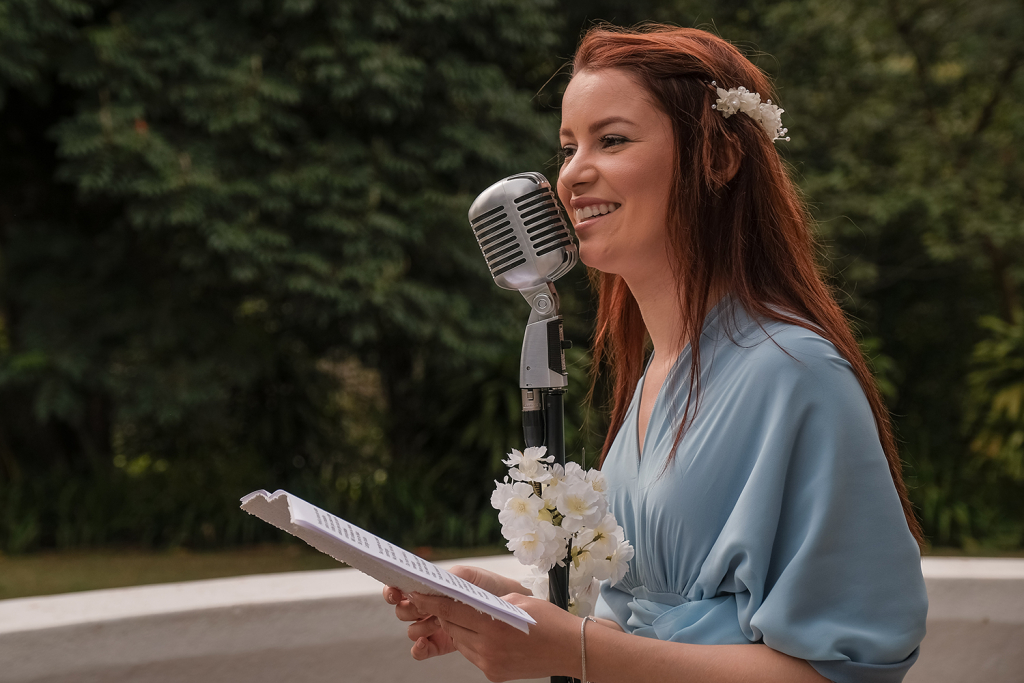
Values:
[(711, 316), (657, 399)]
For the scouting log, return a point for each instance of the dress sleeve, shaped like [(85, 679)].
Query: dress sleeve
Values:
[(817, 551)]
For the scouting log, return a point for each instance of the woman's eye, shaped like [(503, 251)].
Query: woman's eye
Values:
[(567, 152)]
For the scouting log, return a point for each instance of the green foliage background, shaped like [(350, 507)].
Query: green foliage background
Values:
[(234, 253)]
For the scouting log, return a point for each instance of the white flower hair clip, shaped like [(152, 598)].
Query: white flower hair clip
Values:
[(767, 115)]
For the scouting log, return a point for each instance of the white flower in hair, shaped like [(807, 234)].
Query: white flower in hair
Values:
[(741, 100), (737, 100)]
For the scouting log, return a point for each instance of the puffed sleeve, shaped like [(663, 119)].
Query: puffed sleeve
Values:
[(816, 550)]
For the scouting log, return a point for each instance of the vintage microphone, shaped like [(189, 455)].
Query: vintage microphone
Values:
[(527, 245)]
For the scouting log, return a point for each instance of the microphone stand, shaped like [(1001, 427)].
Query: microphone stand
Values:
[(543, 380)]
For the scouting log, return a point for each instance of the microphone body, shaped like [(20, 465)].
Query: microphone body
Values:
[(527, 245)]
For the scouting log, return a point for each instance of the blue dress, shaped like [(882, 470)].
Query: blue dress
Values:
[(777, 521)]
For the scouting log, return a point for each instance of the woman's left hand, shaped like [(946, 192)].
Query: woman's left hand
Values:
[(504, 653)]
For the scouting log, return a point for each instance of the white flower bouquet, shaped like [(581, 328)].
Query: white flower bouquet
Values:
[(549, 514)]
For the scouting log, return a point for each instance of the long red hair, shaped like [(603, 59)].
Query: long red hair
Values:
[(748, 233)]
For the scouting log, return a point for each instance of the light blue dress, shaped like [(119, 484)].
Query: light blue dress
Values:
[(777, 521)]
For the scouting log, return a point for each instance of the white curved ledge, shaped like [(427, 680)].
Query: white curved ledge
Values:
[(972, 568), (333, 626)]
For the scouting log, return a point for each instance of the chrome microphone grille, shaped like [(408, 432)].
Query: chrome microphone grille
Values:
[(498, 241), (522, 232), (543, 220)]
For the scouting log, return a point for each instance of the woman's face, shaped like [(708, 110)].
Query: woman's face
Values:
[(617, 175)]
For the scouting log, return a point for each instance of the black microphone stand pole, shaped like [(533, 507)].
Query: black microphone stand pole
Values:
[(543, 379)]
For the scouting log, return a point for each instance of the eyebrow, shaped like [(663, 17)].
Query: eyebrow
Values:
[(598, 125)]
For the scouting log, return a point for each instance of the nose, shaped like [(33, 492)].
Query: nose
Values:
[(577, 172)]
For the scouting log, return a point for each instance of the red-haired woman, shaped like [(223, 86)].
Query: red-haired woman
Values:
[(751, 462)]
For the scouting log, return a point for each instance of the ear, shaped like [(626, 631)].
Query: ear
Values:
[(722, 156), (730, 159)]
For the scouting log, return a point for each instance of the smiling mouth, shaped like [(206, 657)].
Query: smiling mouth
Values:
[(594, 210)]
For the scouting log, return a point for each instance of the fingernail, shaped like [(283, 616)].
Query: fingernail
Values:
[(420, 644), (390, 598)]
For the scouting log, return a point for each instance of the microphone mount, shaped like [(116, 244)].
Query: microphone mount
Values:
[(542, 363)]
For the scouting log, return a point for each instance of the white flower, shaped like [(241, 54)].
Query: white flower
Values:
[(601, 542), (532, 545), (727, 103), (597, 481), (770, 118), (737, 100), (556, 549), (502, 492), (767, 115), (554, 486), (529, 466), (574, 473), (582, 568), (537, 583), (749, 102), (580, 505), (521, 508), (620, 562), (581, 602)]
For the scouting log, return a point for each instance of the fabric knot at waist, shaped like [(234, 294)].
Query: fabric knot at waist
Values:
[(670, 616)]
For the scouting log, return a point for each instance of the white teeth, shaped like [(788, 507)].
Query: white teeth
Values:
[(594, 210)]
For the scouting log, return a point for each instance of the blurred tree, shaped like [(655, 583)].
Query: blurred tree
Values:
[(996, 400), (233, 248), (207, 209)]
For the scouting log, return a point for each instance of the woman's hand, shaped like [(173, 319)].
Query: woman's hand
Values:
[(429, 639), (500, 651)]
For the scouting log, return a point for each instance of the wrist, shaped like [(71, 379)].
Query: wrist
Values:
[(566, 660)]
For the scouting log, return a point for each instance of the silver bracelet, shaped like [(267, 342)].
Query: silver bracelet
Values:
[(583, 646)]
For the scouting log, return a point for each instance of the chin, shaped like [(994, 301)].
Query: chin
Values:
[(595, 257)]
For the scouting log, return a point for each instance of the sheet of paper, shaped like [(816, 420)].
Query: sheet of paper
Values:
[(375, 556)]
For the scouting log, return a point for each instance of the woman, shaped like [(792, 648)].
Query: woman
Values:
[(754, 470)]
